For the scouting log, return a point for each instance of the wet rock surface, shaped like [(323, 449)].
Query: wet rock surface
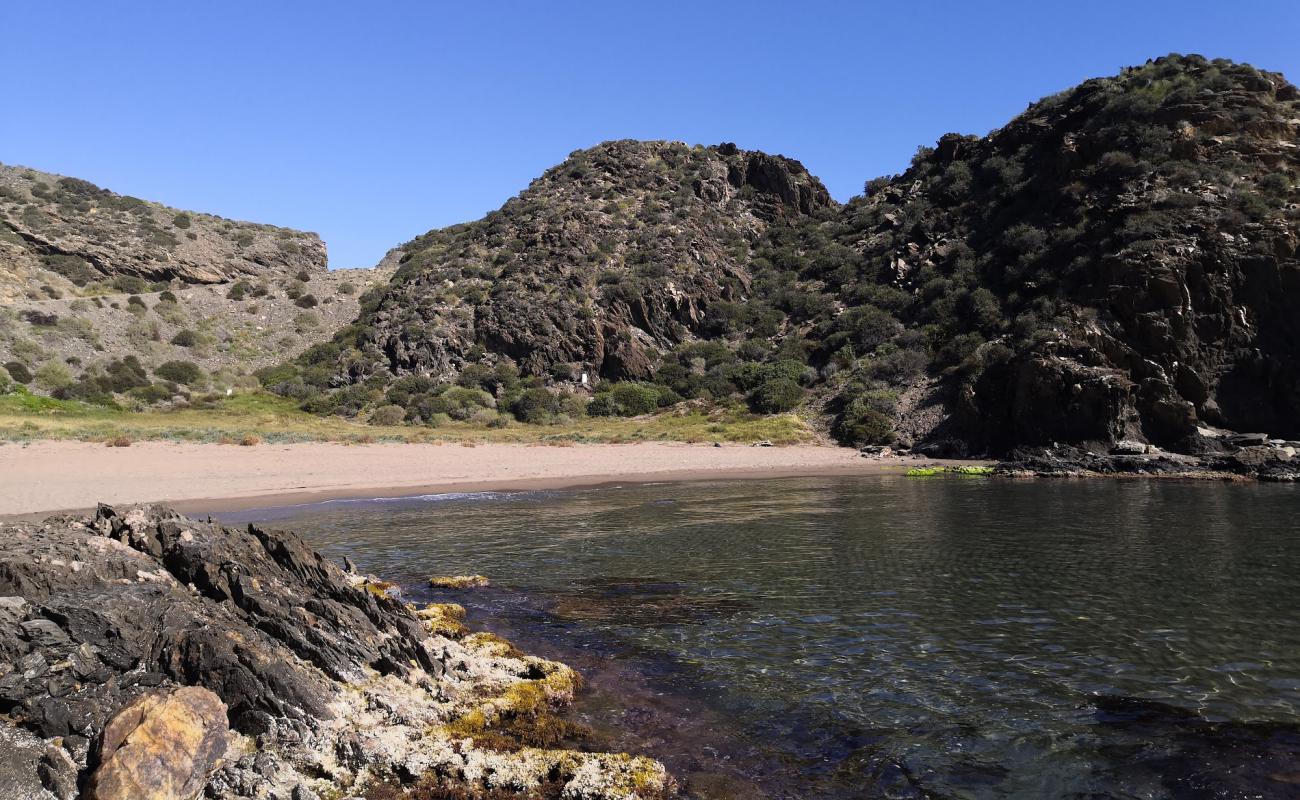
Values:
[(325, 678)]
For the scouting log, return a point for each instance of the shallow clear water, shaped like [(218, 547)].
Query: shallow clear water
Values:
[(894, 637)]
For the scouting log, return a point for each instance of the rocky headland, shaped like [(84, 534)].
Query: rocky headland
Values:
[(147, 655)]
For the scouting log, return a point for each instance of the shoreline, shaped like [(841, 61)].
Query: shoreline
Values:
[(47, 477)]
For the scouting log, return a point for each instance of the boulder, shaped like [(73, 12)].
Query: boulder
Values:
[(1128, 447), (161, 746)]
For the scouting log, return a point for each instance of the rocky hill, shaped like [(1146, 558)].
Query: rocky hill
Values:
[(65, 233), (603, 263), (1117, 264), (89, 279), (1114, 268)]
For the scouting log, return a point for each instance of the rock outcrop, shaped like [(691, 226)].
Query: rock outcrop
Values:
[(66, 232), (130, 640), (1120, 261), (601, 264)]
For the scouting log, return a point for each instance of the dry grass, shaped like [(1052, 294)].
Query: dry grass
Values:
[(267, 418)]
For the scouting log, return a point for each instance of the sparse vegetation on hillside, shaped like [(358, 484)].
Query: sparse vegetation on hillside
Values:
[(1116, 263)]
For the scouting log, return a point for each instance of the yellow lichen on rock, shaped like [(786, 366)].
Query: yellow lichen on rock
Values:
[(458, 581), (489, 644), (162, 746), (444, 619)]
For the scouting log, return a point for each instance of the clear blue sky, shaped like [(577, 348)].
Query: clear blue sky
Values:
[(370, 122)]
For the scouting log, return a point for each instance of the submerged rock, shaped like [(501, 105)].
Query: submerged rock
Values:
[(130, 640)]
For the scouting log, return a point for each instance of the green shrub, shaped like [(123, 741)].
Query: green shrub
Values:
[(634, 399), (306, 321), (462, 401), (388, 415), (535, 406), (186, 372), (861, 422), (74, 268), (40, 318), (603, 405), (153, 393), (18, 372), (239, 290), (125, 373), (776, 395), (129, 284), (185, 338), (52, 375), (6, 383), (306, 301), (181, 221), (170, 312)]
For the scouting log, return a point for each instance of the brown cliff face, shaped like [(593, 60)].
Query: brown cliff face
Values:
[(601, 264), (66, 232)]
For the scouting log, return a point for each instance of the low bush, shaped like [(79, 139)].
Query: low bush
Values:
[(630, 399), (535, 406), (388, 415), (130, 284), (185, 338), (186, 372), (52, 375), (18, 372), (863, 422), (776, 395)]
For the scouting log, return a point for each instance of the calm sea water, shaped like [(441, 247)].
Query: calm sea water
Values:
[(892, 637)]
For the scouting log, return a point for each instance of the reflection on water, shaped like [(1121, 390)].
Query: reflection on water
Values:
[(895, 637)]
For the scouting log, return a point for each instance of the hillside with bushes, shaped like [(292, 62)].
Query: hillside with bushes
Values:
[(117, 301), (59, 235), (627, 269), (1116, 263), (1115, 268)]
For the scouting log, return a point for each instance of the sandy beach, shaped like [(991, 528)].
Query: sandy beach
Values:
[(47, 476)]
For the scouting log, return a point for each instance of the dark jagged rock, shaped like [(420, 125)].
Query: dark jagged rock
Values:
[(104, 612), (324, 678)]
